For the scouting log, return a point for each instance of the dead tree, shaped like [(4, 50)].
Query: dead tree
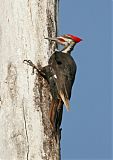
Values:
[(25, 132)]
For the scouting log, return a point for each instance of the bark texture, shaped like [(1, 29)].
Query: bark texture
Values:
[(25, 132)]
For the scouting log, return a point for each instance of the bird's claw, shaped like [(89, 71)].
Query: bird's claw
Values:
[(30, 63), (56, 134)]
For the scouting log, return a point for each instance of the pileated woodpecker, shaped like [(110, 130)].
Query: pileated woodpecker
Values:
[(60, 74)]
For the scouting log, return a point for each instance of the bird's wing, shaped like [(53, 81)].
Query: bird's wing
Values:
[(65, 100), (64, 69)]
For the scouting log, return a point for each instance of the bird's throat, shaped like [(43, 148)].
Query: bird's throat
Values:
[(68, 48)]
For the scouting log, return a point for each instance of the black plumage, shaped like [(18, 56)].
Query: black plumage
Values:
[(60, 74), (64, 69)]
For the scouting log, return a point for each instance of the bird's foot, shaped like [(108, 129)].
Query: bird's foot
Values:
[(54, 134), (30, 63)]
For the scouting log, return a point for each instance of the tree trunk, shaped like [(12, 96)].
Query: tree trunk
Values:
[(25, 132)]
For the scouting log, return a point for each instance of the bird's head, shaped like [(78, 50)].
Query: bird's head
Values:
[(65, 39)]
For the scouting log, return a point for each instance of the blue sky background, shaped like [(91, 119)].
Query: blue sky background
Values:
[(87, 128)]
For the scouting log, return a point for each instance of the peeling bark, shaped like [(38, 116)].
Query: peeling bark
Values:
[(25, 99)]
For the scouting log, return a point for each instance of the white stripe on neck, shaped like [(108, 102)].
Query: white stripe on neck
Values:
[(68, 48)]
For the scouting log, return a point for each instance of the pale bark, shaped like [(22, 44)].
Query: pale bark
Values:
[(25, 132)]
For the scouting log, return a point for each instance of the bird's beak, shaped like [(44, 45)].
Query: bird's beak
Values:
[(56, 39), (52, 39)]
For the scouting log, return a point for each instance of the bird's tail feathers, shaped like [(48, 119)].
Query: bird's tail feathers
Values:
[(65, 100)]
